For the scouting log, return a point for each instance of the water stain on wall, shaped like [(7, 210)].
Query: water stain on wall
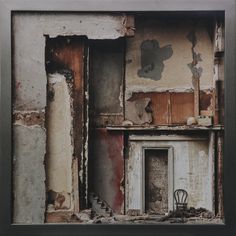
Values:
[(152, 58)]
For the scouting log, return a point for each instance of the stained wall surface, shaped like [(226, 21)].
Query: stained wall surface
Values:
[(107, 173), (30, 95), (193, 169), (160, 55), (29, 174)]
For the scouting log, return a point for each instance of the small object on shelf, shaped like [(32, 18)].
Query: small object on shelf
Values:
[(127, 123), (204, 120), (191, 121)]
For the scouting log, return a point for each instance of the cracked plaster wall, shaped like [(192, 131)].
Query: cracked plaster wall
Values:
[(176, 74), (192, 162), (30, 80)]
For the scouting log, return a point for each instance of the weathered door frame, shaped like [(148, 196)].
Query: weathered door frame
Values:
[(170, 167)]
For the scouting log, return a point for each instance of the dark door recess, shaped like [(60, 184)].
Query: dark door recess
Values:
[(156, 181)]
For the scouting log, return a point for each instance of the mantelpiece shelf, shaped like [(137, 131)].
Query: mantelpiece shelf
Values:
[(164, 128)]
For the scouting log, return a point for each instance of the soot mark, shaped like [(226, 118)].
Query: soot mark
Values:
[(152, 57)]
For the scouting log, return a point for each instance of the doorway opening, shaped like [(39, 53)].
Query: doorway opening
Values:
[(156, 181)]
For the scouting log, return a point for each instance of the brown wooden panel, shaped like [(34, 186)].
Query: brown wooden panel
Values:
[(182, 107), (159, 106)]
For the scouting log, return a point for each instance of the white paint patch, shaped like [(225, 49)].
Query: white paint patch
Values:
[(192, 168), (55, 78), (60, 149), (121, 96)]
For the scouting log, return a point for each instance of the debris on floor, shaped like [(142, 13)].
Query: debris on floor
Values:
[(189, 216)]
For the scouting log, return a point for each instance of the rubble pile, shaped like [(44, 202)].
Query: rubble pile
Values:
[(187, 216)]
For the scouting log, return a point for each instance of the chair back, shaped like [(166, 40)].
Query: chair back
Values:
[(180, 196)]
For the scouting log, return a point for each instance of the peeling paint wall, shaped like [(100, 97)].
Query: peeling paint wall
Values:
[(107, 173), (30, 93), (139, 111), (166, 108), (170, 34), (29, 43), (193, 168), (147, 79), (59, 138)]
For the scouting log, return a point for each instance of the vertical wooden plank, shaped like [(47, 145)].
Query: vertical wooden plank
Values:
[(169, 108), (78, 68), (196, 96), (159, 105), (182, 107)]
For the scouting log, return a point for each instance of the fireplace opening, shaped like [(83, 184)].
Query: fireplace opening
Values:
[(156, 181)]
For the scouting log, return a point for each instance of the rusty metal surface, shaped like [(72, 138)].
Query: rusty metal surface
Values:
[(108, 168), (66, 54)]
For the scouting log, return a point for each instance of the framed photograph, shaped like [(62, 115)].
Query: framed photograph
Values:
[(117, 117)]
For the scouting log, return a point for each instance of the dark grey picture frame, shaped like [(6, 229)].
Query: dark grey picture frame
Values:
[(6, 9)]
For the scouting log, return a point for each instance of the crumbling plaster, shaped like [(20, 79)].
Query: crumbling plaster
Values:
[(29, 47), (59, 136), (176, 75), (108, 168), (30, 82)]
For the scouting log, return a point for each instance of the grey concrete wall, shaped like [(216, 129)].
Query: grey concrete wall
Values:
[(29, 174)]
